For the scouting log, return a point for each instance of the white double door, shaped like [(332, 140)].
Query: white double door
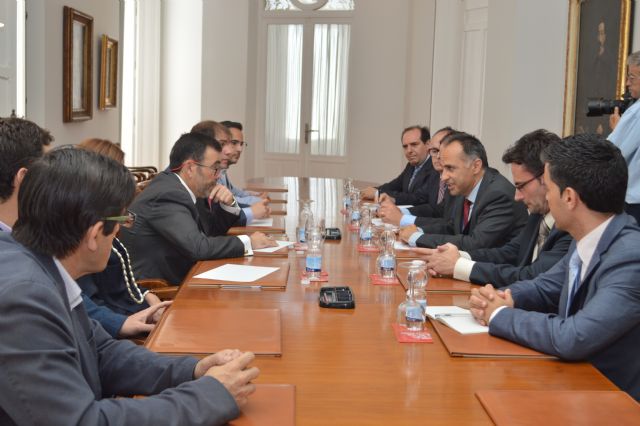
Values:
[(302, 97)]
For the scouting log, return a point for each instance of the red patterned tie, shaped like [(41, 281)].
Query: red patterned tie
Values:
[(465, 213)]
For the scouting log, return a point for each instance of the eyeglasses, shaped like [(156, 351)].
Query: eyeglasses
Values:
[(127, 220), (236, 142), (215, 168), (520, 186)]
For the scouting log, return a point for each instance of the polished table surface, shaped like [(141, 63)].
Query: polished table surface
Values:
[(346, 365)]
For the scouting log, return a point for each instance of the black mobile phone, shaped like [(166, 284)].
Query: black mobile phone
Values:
[(337, 297), (333, 234)]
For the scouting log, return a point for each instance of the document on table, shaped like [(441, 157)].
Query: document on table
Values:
[(273, 249), (376, 221), (237, 273), (399, 245), (268, 221), (456, 318)]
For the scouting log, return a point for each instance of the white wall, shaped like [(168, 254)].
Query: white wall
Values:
[(224, 71), (44, 68)]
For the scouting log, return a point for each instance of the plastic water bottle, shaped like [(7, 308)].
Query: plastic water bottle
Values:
[(314, 256), (386, 261)]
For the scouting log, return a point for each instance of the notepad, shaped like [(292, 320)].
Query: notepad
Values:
[(456, 318), (267, 221), (399, 245), (376, 221), (273, 249), (237, 273)]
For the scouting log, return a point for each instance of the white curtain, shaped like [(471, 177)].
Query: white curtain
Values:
[(330, 71), (284, 85)]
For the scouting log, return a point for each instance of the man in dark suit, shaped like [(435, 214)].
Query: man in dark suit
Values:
[(405, 188), (481, 212), (60, 367), (536, 249), (587, 307), (169, 235), (434, 190)]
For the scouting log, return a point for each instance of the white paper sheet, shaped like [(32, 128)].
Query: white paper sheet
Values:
[(237, 273), (457, 318), (272, 249), (376, 221), (262, 222), (399, 245)]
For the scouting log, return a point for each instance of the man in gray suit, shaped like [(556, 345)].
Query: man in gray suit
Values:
[(587, 307), (58, 366), (482, 212), (536, 249), (170, 233)]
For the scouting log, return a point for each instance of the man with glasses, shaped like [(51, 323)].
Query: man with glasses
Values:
[(536, 249), (626, 136), (170, 233), (252, 208), (58, 366)]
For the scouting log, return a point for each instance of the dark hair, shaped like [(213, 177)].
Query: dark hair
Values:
[(471, 146), (65, 193), (21, 143), (232, 125), (424, 132), (527, 150), (191, 146), (593, 167)]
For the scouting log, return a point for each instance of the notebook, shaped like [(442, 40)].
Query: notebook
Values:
[(457, 318)]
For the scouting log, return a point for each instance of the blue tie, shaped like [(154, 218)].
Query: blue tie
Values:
[(575, 267), (413, 176)]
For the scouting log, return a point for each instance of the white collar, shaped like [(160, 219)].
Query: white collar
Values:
[(70, 285), (587, 245), (193, 197)]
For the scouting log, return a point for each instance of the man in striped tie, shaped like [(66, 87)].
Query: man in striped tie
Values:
[(587, 307)]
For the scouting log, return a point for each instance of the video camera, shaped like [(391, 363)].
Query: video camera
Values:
[(600, 107)]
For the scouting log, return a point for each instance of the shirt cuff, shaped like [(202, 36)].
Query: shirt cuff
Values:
[(246, 241), (462, 268), (414, 237), (494, 313), (249, 214), (407, 219), (233, 208)]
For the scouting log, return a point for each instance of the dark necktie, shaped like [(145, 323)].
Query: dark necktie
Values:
[(441, 191), (575, 267), (413, 177), (465, 213)]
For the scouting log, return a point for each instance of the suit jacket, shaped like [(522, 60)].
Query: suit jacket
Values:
[(603, 325), (495, 219), (505, 265), (399, 188), (61, 368), (429, 193), (168, 236)]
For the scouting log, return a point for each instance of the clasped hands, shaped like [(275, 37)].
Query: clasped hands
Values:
[(231, 368), (485, 300)]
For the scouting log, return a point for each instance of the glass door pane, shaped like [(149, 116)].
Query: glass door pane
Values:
[(329, 102), (284, 88)]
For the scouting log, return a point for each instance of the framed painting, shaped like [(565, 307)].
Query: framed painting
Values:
[(108, 73), (597, 48), (77, 66)]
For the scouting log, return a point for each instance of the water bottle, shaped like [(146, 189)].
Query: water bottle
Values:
[(314, 256), (387, 259)]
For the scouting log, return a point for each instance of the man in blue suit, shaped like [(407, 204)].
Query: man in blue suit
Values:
[(587, 307)]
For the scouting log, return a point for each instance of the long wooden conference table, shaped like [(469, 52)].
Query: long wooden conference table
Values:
[(346, 365)]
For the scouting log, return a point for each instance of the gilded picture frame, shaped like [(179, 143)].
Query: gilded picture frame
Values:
[(77, 66), (108, 73), (597, 48)]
